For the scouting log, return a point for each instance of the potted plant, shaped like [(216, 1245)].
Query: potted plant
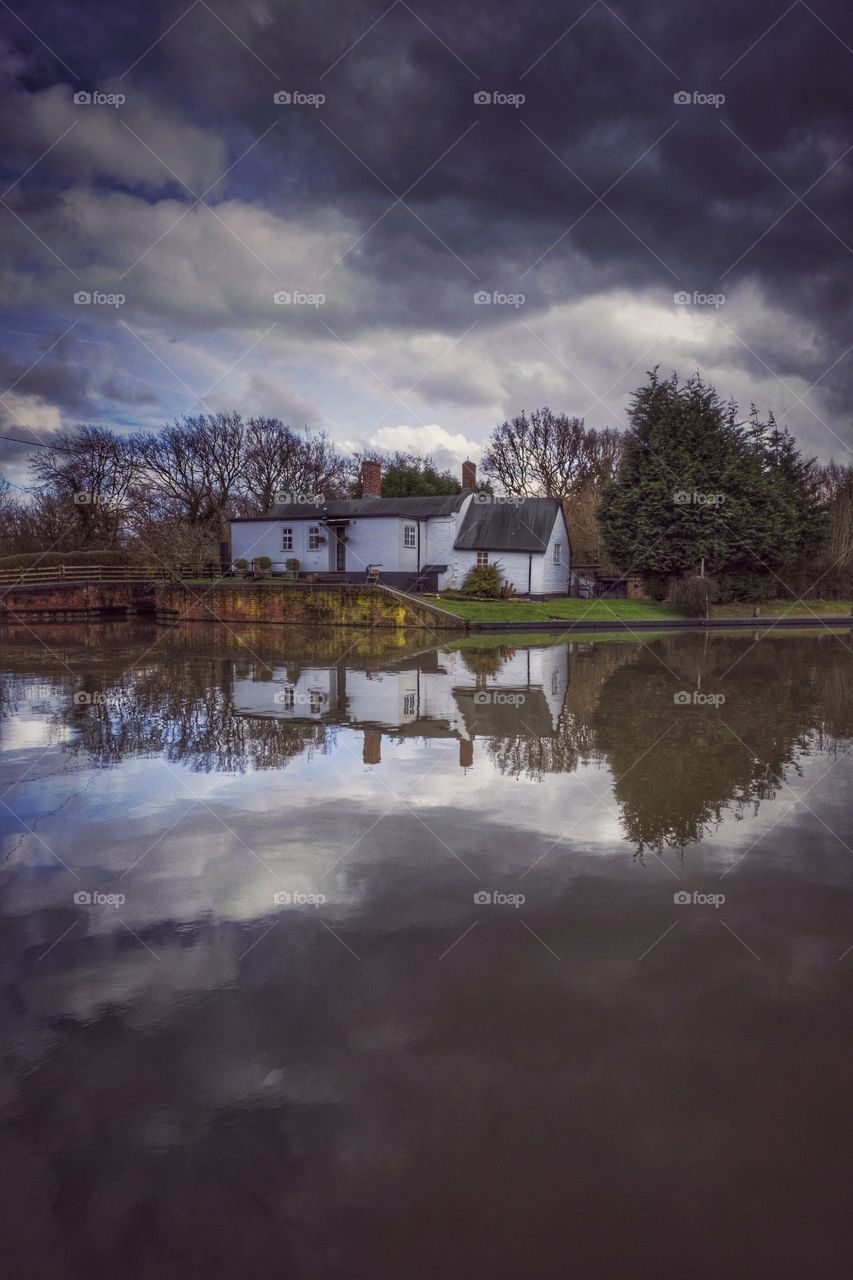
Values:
[(262, 565), (241, 567)]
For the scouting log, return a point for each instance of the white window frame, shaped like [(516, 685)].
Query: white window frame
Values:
[(287, 537), (409, 704), (558, 549), (482, 559), (410, 531), (314, 535)]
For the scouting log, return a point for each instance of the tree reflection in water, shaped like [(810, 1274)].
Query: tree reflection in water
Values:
[(676, 769)]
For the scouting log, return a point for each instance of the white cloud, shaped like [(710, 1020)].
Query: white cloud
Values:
[(448, 448)]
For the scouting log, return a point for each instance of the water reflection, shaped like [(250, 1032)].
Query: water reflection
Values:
[(201, 1082), (689, 727)]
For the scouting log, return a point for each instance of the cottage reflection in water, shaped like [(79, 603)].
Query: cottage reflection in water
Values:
[(488, 694)]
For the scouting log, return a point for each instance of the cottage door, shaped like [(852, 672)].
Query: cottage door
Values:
[(340, 554)]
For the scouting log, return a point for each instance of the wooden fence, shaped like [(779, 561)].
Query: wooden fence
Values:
[(47, 575)]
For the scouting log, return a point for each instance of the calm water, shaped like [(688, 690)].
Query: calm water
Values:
[(343, 956)]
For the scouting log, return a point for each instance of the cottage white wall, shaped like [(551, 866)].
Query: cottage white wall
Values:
[(513, 567), (374, 541), (550, 578), (438, 535), (259, 538), (380, 697), (442, 532), (378, 540), (263, 538)]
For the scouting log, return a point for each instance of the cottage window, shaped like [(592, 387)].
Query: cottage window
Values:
[(557, 552), (288, 697), (482, 558), (287, 539), (408, 704), (313, 537), (410, 535)]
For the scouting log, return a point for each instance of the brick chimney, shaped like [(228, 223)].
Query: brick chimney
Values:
[(469, 476), (466, 753), (371, 479)]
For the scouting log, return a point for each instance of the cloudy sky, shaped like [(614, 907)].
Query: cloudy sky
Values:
[(583, 167)]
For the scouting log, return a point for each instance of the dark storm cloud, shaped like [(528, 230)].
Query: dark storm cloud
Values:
[(692, 197), (56, 379)]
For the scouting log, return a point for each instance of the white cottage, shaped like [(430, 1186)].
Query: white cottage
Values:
[(425, 544)]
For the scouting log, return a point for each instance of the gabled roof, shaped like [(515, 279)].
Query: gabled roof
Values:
[(497, 525), (353, 508)]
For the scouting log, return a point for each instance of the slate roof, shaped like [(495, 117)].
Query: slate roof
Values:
[(490, 525), (354, 508), (508, 526)]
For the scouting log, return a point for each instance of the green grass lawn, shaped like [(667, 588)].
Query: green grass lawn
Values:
[(568, 610), (562, 609), (786, 608)]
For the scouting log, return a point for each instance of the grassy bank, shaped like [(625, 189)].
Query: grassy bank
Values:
[(561, 609), (569, 610)]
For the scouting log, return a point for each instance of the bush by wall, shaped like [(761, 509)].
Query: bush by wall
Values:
[(483, 580)]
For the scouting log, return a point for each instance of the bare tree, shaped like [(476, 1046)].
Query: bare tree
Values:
[(324, 470), (192, 469), (92, 470), (273, 462), (549, 455), (279, 460)]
